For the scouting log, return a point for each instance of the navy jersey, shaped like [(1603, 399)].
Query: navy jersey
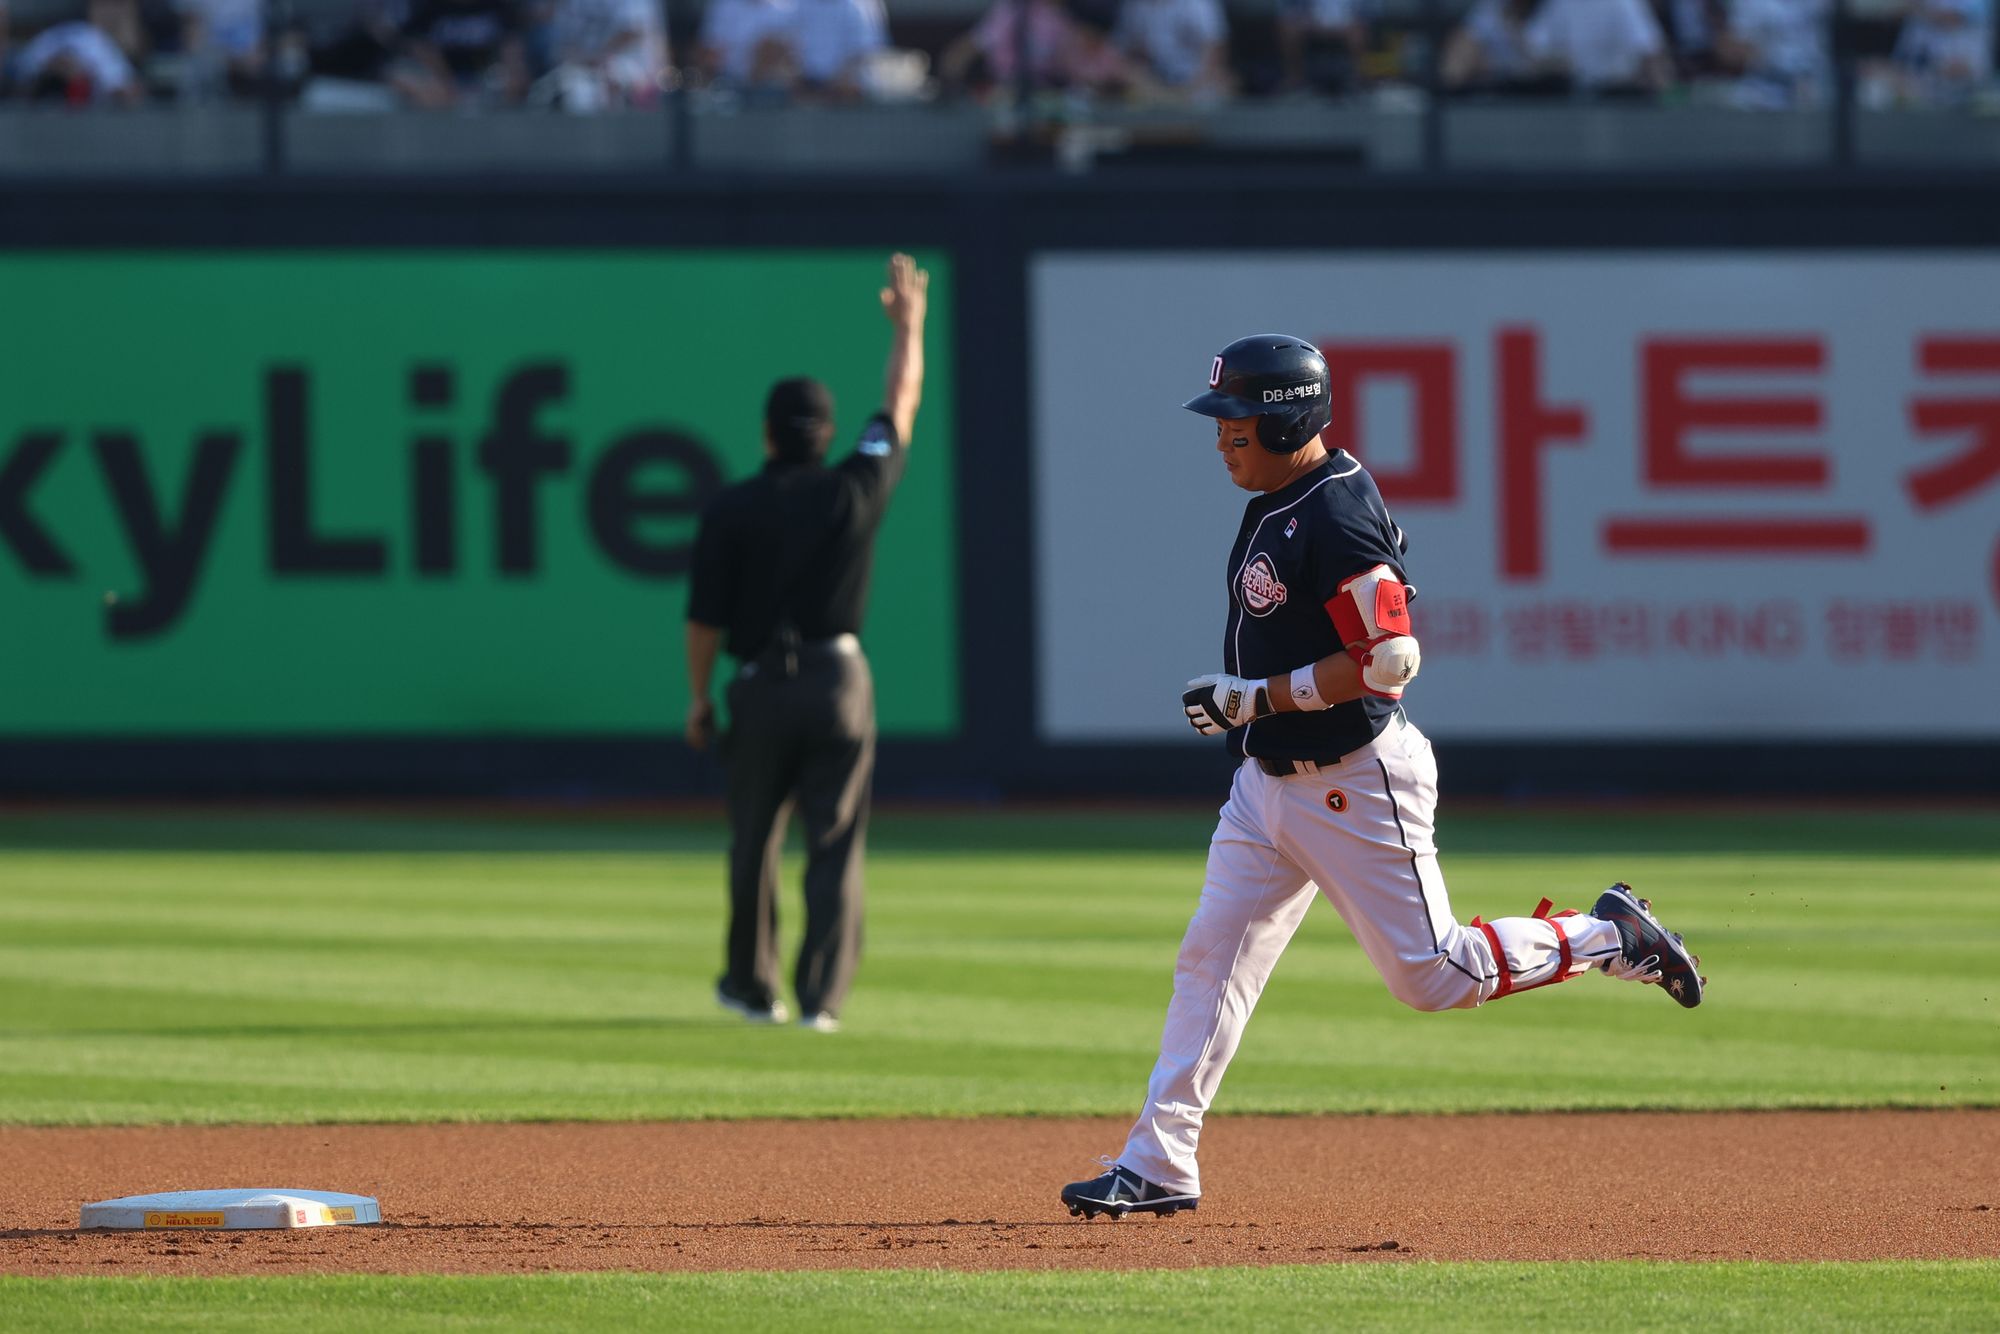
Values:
[(1296, 547)]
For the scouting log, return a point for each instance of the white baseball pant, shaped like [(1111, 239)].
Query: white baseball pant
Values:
[(1360, 833)]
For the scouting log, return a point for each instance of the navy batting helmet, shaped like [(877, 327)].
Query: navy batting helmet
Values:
[(1274, 376)]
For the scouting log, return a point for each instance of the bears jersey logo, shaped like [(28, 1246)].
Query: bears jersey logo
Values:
[(1261, 590)]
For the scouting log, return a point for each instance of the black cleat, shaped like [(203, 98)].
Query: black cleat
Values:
[(1120, 1192), (1651, 952)]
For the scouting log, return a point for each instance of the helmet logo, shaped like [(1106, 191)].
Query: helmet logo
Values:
[(1262, 592), (1310, 389), (1215, 373)]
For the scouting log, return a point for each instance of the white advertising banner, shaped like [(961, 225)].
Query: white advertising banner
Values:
[(1665, 496)]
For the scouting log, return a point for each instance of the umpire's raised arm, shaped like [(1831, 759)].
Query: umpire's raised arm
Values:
[(905, 301)]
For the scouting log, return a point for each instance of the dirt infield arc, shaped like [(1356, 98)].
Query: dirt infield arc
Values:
[(981, 1194)]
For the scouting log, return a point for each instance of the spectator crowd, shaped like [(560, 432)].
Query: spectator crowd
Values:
[(590, 55)]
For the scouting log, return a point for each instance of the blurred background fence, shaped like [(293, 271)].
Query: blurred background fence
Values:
[(234, 87), (368, 365)]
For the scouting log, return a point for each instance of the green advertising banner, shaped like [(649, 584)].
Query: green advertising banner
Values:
[(451, 493)]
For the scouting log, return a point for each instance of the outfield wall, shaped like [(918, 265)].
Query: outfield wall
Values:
[(1714, 496), (357, 493), (374, 490)]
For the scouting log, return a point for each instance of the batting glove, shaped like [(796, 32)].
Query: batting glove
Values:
[(1216, 703)]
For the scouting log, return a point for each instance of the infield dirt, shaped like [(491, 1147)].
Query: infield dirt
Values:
[(980, 1194)]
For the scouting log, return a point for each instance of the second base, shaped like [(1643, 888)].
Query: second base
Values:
[(232, 1209)]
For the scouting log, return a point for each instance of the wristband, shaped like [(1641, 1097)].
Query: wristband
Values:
[(1305, 689)]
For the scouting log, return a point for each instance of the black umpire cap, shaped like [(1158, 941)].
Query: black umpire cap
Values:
[(798, 416)]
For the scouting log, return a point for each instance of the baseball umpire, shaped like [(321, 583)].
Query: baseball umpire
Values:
[(780, 578), (1336, 788)]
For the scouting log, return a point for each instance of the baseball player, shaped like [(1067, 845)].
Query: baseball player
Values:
[(1336, 789)]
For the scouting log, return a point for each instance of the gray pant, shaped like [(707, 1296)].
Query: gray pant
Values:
[(805, 739)]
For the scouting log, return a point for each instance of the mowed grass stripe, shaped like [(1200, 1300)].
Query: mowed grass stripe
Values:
[(1092, 832), (371, 968), (1901, 1296)]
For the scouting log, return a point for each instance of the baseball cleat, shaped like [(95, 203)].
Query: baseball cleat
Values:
[(1651, 953), (774, 1013), (1122, 1191)]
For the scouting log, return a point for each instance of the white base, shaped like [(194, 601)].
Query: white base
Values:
[(231, 1209)]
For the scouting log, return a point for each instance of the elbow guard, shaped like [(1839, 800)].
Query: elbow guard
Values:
[(1372, 614), (1388, 664)]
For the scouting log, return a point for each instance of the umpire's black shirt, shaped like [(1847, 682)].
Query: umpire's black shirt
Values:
[(1295, 549), (797, 540)]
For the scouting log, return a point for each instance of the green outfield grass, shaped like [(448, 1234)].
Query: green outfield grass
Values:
[(204, 968), (1623, 1296)]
